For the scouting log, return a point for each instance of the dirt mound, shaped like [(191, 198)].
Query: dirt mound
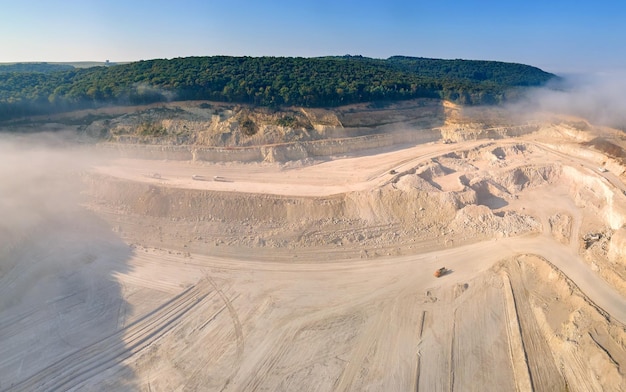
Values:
[(496, 189), (561, 227), (408, 206), (480, 221), (508, 151), (432, 170), (528, 176), (414, 181)]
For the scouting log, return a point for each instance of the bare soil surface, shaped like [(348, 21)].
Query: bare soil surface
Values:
[(317, 274)]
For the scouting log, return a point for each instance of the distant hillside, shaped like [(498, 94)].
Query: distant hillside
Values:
[(34, 67), (505, 74), (265, 81)]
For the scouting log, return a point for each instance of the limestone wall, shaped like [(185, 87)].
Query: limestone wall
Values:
[(274, 153), (140, 151), (593, 192)]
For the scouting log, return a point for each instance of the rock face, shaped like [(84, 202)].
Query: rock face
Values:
[(227, 132), (214, 124), (617, 247)]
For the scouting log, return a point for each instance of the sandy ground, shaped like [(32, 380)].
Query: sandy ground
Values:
[(94, 300)]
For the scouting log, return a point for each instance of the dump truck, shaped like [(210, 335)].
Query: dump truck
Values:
[(440, 272)]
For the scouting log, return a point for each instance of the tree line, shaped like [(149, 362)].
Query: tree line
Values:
[(265, 81)]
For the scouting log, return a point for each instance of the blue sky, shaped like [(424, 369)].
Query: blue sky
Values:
[(558, 36)]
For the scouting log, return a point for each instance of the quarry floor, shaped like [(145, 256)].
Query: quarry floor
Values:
[(109, 295)]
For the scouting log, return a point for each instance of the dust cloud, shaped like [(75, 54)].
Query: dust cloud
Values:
[(38, 181), (56, 258), (600, 98)]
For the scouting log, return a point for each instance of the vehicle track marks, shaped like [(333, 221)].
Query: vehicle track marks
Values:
[(77, 367), (367, 340), (233, 315), (416, 383), (544, 373), (519, 361), (275, 350), (452, 342)]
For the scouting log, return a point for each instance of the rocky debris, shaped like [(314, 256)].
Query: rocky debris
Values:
[(561, 227), (529, 176), (617, 248), (603, 249), (591, 238), (480, 221)]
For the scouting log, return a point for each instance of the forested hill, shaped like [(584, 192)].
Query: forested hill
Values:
[(34, 67), (266, 81)]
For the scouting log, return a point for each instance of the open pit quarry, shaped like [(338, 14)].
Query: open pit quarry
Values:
[(300, 257)]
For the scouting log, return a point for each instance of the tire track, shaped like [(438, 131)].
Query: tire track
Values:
[(14, 325), (520, 368), (271, 353), (233, 315), (275, 349), (544, 374), (121, 309), (416, 382), (359, 354), (451, 357), (168, 288), (195, 378), (236, 324), (77, 367), (95, 308)]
